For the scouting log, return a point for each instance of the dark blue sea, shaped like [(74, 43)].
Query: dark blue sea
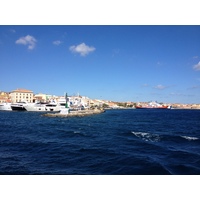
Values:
[(118, 142)]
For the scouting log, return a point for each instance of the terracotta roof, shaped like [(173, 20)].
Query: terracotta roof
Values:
[(22, 91)]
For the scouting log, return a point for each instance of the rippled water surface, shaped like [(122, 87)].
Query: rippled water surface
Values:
[(114, 142)]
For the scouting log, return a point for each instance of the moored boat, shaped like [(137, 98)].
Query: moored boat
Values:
[(5, 106), (19, 106), (43, 107)]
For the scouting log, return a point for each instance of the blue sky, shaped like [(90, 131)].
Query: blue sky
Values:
[(119, 63)]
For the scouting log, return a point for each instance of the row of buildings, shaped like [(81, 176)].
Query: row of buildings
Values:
[(24, 95), (19, 95), (16, 96)]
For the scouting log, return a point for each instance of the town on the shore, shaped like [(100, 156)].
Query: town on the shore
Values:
[(19, 95)]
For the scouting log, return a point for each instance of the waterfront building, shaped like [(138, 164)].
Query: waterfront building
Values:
[(96, 103), (4, 97), (21, 95), (78, 101), (85, 101), (40, 97), (112, 104)]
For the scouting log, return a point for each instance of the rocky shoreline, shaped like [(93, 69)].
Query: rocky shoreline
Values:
[(80, 113)]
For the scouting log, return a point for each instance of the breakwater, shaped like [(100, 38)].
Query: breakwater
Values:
[(80, 113)]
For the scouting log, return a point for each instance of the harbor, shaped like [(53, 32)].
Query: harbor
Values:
[(26, 100)]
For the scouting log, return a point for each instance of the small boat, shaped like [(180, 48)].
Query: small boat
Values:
[(19, 106), (5, 106), (152, 105)]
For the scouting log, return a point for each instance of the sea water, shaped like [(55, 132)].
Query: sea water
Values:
[(128, 141)]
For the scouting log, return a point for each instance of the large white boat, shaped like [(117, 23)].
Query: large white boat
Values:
[(43, 107), (5, 106), (19, 106), (152, 105)]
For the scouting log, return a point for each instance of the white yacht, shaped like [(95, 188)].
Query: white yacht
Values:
[(19, 106), (5, 106), (43, 107)]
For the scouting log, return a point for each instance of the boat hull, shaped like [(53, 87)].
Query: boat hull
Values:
[(43, 108), (19, 106), (5, 106)]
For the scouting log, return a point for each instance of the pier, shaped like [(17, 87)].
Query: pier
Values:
[(80, 113)]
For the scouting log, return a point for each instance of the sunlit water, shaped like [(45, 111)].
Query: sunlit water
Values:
[(114, 142)]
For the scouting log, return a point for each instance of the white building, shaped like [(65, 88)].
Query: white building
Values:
[(79, 101), (21, 95)]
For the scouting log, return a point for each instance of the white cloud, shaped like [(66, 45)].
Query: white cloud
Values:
[(197, 67), (82, 49), (57, 42), (27, 40), (160, 87)]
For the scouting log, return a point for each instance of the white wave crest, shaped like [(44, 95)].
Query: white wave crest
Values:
[(190, 138), (147, 136), (77, 131)]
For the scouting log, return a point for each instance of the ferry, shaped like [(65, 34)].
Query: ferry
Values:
[(152, 105)]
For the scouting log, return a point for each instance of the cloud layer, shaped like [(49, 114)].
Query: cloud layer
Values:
[(82, 49), (28, 40), (197, 66)]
